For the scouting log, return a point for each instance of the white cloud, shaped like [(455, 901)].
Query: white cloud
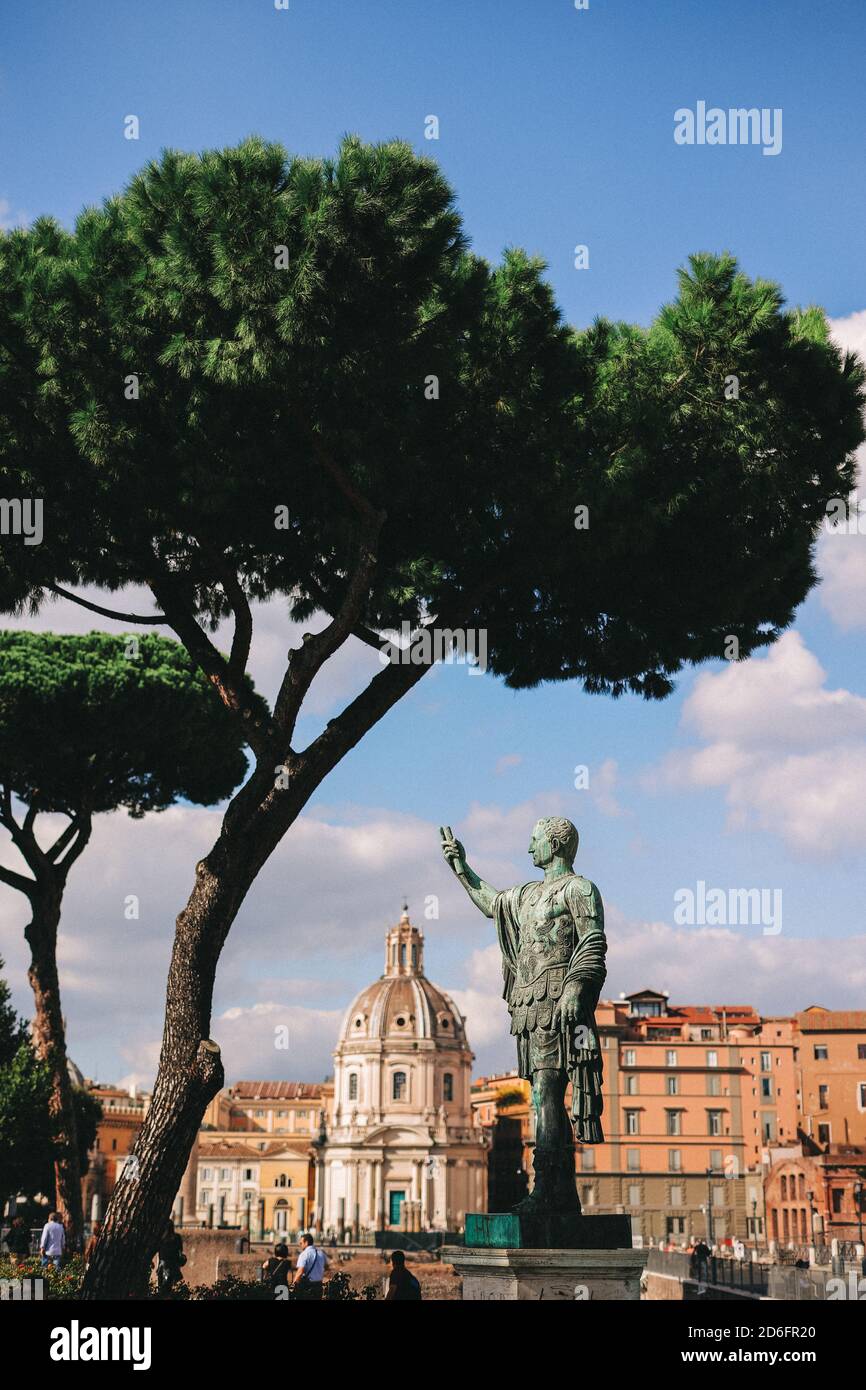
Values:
[(789, 752), (841, 553)]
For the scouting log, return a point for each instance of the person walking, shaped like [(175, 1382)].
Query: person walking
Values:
[(310, 1270), (91, 1244), (18, 1241), (171, 1260), (403, 1287), (52, 1242)]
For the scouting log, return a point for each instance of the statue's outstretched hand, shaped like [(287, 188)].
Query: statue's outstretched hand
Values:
[(455, 854)]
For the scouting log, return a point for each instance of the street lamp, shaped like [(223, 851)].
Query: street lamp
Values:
[(709, 1208)]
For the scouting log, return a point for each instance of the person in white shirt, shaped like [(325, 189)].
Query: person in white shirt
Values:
[(52, 1242), (310, 1270)]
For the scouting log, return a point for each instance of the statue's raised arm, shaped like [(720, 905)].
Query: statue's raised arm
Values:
[(480, 892)]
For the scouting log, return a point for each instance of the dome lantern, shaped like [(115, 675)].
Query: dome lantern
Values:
[(404, 948)]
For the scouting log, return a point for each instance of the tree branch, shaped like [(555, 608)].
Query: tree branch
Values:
[(232, 690), (84, 827), (305, 661), (19, 881), (243, 633), (106, 612)]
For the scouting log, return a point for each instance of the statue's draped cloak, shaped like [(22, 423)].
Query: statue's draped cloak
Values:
[(531, 1005)]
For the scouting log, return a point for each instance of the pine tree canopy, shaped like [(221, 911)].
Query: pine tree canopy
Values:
[(96, 722), (242, 331)]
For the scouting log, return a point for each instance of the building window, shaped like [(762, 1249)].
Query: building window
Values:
[(861, 1052), (714, 1085), (766, 1088), (712, 1059), (628, 1057), (634, 1195), (282, 1181), (205, 1198), (633, 1160), (670, 1057), (205, 1174), (823, 1097), (673, 1122), (353, 1085), (820, 1051), (783, 1185), (675, 1161), (632, 1122), (718, 1196), (248, 1175), (631, 1085), (836, 1195), (403, 955), (675, 1225), (587, 1160), (823, 1134), (587, 1196), (676, 1196), (768, 1128), (448, 1086), (714, 1121), (861, 1093), (225, 1174), (673, 1085), (398, 1086), (766, 1061)]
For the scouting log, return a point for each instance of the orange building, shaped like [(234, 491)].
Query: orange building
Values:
[(699, 1102), (123, 1114), (832, 1075)]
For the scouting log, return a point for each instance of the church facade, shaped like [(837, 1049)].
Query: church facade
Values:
[(403, 1149)]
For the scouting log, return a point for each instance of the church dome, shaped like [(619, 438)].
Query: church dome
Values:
[(403, 1003)]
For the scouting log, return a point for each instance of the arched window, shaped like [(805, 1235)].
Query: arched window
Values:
[(282, 1180), (398, 1086), (448, 1086), (403, 954), (353, 1085), (784, 1189)]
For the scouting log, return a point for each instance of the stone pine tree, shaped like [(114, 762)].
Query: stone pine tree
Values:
[(251, 375), (90, 724)]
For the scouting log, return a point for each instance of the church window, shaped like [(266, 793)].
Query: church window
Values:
[(398, 1086), (353, 1085), (403, 954), (448, 1086), (400, 1021)]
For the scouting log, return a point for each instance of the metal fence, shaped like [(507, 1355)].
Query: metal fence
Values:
[(752, 1280)]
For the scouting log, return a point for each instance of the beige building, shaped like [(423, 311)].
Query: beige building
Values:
[(404, 1149)]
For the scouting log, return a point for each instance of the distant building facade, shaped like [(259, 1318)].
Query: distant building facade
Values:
[(404, 1150)]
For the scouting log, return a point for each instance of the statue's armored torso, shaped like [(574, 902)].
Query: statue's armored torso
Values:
[(551, 918)]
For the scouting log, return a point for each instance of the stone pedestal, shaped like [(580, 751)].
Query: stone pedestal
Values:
[(577, 1275)]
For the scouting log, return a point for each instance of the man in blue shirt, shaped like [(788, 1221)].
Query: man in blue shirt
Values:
[(310, 1270), (52, 1242)]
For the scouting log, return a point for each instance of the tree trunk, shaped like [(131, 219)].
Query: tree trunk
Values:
[(49, 1043), (190, 1067)]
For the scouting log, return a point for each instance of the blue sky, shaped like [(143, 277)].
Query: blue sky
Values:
[(556, 128)]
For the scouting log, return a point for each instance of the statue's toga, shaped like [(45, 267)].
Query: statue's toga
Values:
[(551, 935)]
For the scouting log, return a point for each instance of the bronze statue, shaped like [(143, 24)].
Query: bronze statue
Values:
[(551, 935)]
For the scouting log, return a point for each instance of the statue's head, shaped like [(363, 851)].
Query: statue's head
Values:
[(553, 836)]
